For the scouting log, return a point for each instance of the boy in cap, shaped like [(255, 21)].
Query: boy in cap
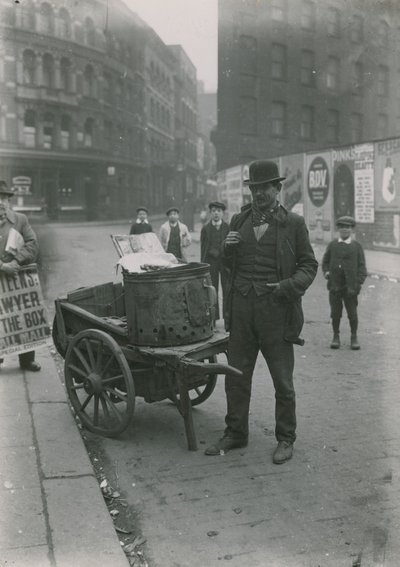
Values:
[(211, 238), (142, 224), (10, 261), (174, 235), (344, 267)]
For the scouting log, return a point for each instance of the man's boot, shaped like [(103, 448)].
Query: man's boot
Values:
[(354, 344), (336, 340)]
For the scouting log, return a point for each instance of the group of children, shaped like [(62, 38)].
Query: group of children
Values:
[(343, 263)]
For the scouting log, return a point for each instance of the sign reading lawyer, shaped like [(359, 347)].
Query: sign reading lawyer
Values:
[(23, 318)]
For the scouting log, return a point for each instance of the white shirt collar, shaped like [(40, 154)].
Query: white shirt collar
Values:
[(216, 223), (346, 241), (140, 222)]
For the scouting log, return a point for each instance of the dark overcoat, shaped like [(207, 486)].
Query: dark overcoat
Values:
[(205, 238)]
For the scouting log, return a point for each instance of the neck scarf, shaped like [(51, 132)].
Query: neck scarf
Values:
[(262, 217)]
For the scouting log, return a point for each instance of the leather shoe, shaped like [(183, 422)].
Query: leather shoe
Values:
[(283, 452), (224, 445), (354, 344), (31, 366), (335, 341)]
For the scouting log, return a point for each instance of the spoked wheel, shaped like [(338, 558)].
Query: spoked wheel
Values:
[(99, 383), (200, 394), (54, 333)]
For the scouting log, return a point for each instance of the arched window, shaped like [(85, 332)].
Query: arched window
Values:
[(48, 70), (65, 73), (90, 32), (46, 18), (30, 128), (48, 131), (65, 128), (88, 81), (28, 15), (28, 67), (88, 133), (64, 23)]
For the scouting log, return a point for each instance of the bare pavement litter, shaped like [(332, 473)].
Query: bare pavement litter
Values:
[(239, 508)]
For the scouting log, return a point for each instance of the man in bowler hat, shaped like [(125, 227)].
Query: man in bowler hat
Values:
[(141, 225), (211, 238), (11, 260), (272, 265), (344, 267)]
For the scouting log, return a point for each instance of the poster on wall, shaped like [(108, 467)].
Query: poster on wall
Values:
[(343, 182), (364, 183), (318, 198), (387, 175), (291, 197), (230, 189)]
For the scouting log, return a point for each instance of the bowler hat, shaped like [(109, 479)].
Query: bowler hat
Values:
[(346, 221), (171, 209), (216, 205), (142, 209), (263, 171), (4, 190)]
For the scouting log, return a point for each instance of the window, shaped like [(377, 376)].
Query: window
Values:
[(90, 32), (278, 115), (64, 23), (88, 81), (356, 127), (333, 126), (279, 10), (48, 71), (358, 77), (107, 88), (383, 80), (248, 54), (28, 14), (278, 66), (30, 129), (332, 77), (248, 115), (65, 128), (307, 123), (357, 29), (88, 133), (307, 71), (382, 126), (48, 131), (383, 34), (65, 74), (308, 15), (28, 67), (46, 18), (333, 22)]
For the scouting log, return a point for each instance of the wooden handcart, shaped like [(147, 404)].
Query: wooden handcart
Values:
[(104, 373)]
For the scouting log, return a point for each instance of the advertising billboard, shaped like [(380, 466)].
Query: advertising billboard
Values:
[(318, 191), (387, 175), (291, 197)]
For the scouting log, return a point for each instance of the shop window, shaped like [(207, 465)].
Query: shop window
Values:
[(307, 70), (28, 67), (48, 71), (30, 128), (333, 126), (64, 24), (88, 133), (307, 123), (46, 18), (65, 128), (278, 115), (65, 74), (48, 131), (88, 81)]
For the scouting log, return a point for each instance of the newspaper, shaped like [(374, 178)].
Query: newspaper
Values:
[(133, 243)]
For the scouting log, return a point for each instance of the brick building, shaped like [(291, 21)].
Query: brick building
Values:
[(300, 75)]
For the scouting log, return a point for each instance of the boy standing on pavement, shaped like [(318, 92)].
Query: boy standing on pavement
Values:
[(272, 265), (174, 235), (344, 267), (141, 225), (11, 260), (211, 238)]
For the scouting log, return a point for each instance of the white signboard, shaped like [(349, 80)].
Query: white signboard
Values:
[(364, 183)]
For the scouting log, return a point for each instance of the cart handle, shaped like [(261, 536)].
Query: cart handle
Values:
[(210, 367)]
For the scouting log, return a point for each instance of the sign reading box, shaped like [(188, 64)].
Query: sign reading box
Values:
[(23, 317)]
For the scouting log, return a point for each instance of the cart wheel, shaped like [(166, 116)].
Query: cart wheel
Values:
[(54, 333), (99, 383), (200, 394)]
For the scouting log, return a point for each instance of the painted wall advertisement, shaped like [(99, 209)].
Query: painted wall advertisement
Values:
[(23, 318), (364, 183), (318, 181), (291, 197), (387, 175)]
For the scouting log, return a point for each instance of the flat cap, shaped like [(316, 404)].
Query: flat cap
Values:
[(346, 221), (217, 205), (145, 209), (4, 190), (171, 209)]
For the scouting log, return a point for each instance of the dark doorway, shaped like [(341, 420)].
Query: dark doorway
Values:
[(343, 192)]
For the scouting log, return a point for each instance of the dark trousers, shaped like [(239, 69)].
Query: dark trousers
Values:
[(24, 358), (336, 301), (258, 325), (216, 269)]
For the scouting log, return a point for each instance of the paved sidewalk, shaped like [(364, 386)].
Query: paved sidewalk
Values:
[(52, 513)]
